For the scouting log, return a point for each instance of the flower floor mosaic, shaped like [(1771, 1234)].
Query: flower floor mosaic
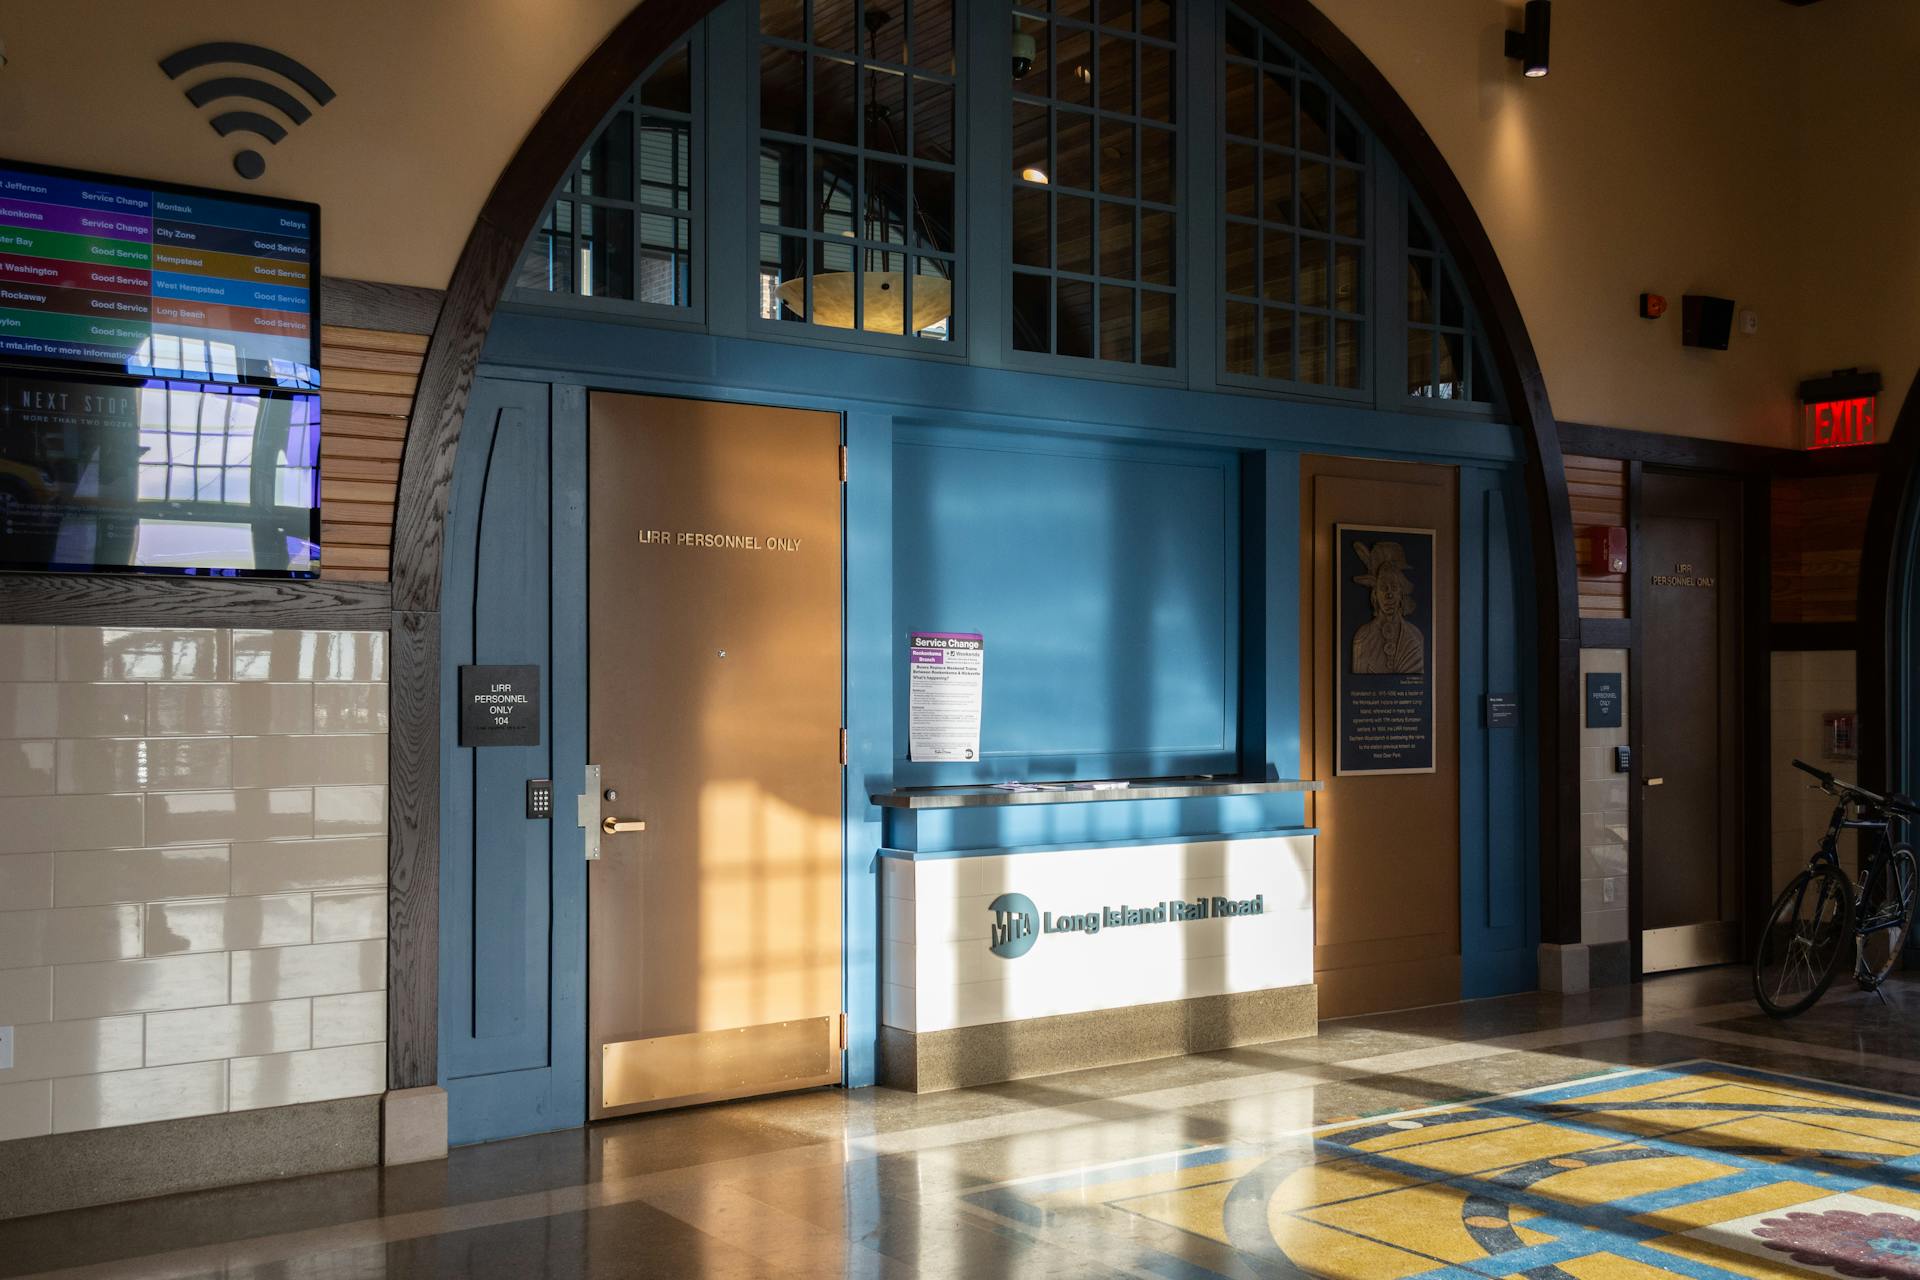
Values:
[(1698, 1169)]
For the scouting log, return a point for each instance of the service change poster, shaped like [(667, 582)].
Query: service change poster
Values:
[(945, 675), (1384, 580)]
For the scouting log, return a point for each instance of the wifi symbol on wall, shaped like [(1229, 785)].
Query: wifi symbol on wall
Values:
[(249, 163)]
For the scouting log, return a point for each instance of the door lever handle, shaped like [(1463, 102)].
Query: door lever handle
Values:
[(1651, 782), (614, 826)]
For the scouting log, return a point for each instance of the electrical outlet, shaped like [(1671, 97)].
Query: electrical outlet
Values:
[(1606, 889), (1749, 322), (6, 1048)]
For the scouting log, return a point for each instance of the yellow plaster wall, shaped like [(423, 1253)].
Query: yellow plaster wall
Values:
[(1655, 156), (1857, 187), (434, 95)]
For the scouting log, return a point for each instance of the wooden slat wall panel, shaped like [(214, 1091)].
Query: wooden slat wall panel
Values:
[(368, 377), (1819, 530), (1597, 491)]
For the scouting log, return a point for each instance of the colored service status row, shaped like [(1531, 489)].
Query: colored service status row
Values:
[(60, 304), (125, 332), (26, 215), (43, 283), (59, 246), (135, 203)]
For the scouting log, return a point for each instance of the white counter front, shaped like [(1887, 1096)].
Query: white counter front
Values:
[(1001, 937)]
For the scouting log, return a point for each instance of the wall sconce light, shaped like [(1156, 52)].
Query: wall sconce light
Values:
[(1528, 46)]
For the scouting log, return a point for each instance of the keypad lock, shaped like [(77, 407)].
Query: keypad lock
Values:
[(539, 797)]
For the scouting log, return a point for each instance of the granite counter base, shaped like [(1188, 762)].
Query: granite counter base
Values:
[(930, 1061)]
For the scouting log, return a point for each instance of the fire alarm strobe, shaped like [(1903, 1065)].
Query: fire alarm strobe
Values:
[(1652, 306)]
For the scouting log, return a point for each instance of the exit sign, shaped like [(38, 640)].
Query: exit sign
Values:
[(1835, 424), (1840, 410)]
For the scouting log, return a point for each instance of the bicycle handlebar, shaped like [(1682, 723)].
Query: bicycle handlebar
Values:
[(1840, 786), (1825, 779)]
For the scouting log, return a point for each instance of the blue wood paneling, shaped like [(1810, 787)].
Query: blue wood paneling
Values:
[(691, 363), (1105, 577), (1047, 461), (497, 1002), (869, 709), (567, 698), (1499, 886)]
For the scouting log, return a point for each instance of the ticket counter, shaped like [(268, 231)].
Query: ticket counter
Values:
[(1005, 962)]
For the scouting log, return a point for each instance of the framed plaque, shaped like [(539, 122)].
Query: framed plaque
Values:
[(1383, 588), (500, 706), (1603, 700)]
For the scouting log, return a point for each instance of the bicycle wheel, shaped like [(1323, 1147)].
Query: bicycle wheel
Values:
[(1885, 916), (1807, 935)]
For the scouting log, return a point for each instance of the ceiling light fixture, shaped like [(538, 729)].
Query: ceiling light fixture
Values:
[(1528, 46)]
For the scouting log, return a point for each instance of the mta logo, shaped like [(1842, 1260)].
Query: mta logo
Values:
[(1016, 923)]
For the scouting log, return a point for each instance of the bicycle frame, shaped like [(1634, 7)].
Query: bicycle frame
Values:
[(1796, 944), (1870, 865)]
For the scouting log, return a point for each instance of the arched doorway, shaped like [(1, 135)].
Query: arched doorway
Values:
[(521, 199)]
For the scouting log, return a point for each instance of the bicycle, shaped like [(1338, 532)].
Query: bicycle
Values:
[(1799, 952)]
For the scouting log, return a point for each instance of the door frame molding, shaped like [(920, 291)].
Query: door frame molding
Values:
[(578, 691), (1753, 686), (1889, 565), (517, 202)]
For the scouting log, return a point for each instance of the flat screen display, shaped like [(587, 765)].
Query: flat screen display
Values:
[(114, 276), (159, 475)]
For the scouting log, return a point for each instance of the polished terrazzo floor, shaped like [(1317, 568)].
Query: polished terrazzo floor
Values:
[(1636, 1132)]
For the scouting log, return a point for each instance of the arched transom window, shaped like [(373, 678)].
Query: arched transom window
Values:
[(1132, 189)]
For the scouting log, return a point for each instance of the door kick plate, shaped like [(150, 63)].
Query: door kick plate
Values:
[(1689, 946), (773, 1055)]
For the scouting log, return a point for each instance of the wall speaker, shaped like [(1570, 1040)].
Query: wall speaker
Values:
[(1705, 321)]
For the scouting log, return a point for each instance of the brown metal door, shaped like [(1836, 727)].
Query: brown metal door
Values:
[(1690, 723), (1387, 859), (714, 718)]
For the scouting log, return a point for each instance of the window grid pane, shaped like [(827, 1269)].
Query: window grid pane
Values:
[(858, 182), (622, 228), (1446, 357), (1294, 175), (1095, 150)]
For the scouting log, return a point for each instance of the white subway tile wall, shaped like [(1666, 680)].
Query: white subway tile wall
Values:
[(193, 855), (1807, 687), (1603, 812)]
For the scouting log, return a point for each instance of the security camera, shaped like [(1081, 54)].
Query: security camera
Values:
[(1022, 54)]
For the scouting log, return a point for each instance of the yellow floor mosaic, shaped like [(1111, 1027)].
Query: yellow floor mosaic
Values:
[(1698, 1169)]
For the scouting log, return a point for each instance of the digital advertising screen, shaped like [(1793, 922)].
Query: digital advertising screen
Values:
[(121, 277), (158, 475)]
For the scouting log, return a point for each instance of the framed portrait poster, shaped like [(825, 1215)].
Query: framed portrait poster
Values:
[(1383, 590)]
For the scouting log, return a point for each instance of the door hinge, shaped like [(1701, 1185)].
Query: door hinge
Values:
[(843, 464), (843, 746)]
